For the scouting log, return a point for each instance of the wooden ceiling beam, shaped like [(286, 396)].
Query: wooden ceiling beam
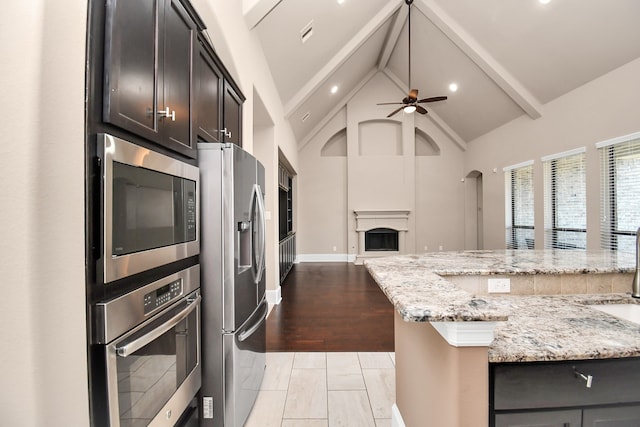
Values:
[(470, 47), (255, 10), (341, 57), (392, 37)]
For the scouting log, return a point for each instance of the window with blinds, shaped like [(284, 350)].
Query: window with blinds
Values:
[(565, 200), (519, 214), (619, 192)]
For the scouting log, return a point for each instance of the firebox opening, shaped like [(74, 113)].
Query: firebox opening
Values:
[(381, 239)]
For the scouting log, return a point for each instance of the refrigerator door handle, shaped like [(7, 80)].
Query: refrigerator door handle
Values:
[(247, 333), (259, 249)]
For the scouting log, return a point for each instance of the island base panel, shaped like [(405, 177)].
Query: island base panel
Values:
[(438, 384)]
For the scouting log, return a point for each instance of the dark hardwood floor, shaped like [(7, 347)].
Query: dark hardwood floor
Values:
[(330, 307)]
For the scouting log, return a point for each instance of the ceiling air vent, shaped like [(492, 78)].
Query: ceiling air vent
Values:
[(306, 116), (306, 32)]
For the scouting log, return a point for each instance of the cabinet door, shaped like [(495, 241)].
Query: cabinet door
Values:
[(208, 98), (130, 71), (232, 111), (628, 416), (570, 418), (177, 61)]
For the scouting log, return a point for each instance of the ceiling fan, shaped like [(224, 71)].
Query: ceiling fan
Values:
[(410, 102)]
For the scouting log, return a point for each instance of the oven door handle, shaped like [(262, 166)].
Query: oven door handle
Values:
[(138, 343)]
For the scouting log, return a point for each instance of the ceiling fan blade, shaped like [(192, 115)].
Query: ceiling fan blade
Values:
[(421, 109), (390, 103), (413, 94), (395, 112), (434, 99)]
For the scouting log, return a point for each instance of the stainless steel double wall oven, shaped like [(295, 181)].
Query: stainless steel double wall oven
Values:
[(145, 341)]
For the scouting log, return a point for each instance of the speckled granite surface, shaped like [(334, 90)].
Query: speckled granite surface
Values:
[(534, 327), (562, 328)]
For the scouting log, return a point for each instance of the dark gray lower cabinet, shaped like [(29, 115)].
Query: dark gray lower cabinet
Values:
[(569, 418), (628, 416), (587, 393)]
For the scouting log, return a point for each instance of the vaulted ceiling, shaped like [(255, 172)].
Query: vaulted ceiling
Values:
[(508, 57)]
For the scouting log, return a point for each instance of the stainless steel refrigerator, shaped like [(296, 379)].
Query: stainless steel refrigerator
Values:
[(232, 261)]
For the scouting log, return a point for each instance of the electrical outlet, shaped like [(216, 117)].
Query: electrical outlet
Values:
[(440, 247), (496, 286), (426, 248), (335, 249)]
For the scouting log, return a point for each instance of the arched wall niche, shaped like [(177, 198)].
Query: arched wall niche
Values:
[(425, 145), (380, 138), (336, 146)]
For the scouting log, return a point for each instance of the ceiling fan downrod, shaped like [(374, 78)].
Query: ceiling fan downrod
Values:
[(410, 103), (409, 33)]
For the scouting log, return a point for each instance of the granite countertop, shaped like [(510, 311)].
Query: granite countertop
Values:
[(531, 327)]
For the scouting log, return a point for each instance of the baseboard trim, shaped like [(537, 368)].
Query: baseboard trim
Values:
[(396, 418), (274, 296), (326, 258)]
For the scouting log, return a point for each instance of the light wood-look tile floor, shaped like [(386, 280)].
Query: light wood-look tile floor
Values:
[(326, 390)]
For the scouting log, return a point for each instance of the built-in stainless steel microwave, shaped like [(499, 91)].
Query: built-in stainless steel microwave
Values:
[(150, 207)]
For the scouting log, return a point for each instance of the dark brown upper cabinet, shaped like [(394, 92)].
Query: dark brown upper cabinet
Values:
[(149, 78), (218, 100), (232, 113), (209, 108)]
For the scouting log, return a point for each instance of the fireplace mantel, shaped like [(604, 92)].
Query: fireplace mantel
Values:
[(381, 218), (370, 219)]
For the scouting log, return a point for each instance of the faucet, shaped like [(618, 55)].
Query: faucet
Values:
[(635, 288)]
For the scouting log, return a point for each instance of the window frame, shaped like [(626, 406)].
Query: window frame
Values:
[(609, 218), (551, 228), (511, 227)]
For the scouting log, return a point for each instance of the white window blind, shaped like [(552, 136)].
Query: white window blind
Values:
[(565, 201), (620, 193), (519, 214)]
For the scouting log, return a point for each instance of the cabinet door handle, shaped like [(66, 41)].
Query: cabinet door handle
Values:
[(225, 132), (170, 115), (587, 378)]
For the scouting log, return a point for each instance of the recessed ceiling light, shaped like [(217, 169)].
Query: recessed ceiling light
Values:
[(544, 1), (453, 87), (334, 89), (340, 1)]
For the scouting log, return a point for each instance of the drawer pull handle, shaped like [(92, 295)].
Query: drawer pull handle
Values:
[(587, 378)]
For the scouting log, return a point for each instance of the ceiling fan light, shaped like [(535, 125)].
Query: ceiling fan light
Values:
[(409, 109)]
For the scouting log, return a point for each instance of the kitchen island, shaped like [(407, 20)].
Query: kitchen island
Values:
[(449, 328)]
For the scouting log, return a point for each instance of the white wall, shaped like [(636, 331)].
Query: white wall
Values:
[(378, 169), (602, 109), (42, 309), (322, 195), (440, 194)]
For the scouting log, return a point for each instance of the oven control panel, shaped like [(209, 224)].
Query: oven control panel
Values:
[(162, 296)]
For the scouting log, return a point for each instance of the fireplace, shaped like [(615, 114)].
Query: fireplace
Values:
[(381, 233), (381, 239)]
